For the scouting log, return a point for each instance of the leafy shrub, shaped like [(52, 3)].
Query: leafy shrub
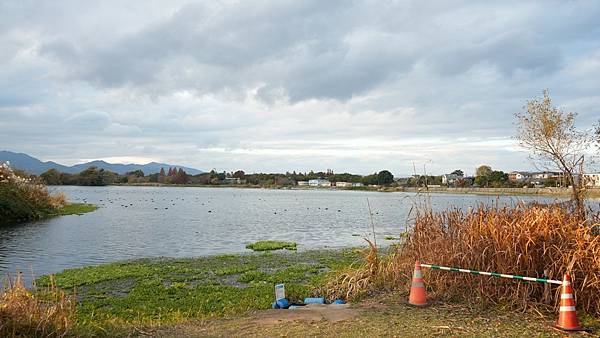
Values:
[(25, 198)]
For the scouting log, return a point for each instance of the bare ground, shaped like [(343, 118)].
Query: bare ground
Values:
[(382, 316)]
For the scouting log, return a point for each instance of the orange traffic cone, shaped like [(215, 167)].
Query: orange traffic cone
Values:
[(417, 289), (567, 316)]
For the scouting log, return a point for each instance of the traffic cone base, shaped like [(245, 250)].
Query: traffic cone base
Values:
[(417, 290), (567, 315)]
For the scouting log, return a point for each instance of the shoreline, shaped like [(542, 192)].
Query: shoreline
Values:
[(69, 209), (558, 192), (224, 295)]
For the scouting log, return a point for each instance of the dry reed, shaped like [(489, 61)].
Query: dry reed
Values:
[(49, 312), (528, 240)]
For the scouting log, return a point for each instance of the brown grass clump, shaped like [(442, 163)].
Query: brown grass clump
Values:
[(527, 240), (378, 272), (47, 313)]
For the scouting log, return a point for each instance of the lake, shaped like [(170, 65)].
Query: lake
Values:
[(135, 222)]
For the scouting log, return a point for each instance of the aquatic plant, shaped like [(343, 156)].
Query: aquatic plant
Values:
[(122, 295), (271, 245), (49, 312)]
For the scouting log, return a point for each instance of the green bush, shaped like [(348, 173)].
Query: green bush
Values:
[(24, 199)]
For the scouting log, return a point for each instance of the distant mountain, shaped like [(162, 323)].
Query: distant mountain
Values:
[(34, 166)]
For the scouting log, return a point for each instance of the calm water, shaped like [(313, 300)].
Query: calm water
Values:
[(135, 222)]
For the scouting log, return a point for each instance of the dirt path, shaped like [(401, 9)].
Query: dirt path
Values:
[(384, 316)]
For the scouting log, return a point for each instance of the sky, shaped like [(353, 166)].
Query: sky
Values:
[(275, 86)]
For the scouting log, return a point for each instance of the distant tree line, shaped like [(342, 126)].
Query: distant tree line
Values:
[(97, 177), (484, 176), (94, 176)]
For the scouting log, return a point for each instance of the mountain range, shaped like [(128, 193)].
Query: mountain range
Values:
[(33, 165)]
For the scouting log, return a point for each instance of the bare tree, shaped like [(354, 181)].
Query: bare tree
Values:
[(550, 134)]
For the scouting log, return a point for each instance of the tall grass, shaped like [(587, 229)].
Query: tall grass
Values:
[(24, 198), (528, 240), (49, 312)]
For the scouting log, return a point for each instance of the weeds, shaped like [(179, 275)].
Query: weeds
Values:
[(47, 313), (528, 240)]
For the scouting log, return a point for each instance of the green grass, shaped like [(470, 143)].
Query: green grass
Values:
[(271, 245), (69, 209), (166, 291), (75, 209)]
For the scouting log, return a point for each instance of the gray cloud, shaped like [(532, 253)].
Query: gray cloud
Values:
[(290, 85)]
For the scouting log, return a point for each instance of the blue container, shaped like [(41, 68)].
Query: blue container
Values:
[(283, 303), (338, 301), (317, 300)]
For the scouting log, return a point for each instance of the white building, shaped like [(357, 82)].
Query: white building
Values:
[(234, 180), (303, 183), (357, 184), (449, 179), (518, 176), (319, 182), (545, 175), (343, 184)]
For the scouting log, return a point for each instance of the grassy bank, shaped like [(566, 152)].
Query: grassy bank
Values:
[(25, 199), (74, 209), (228, 296), (115, 297), (65, 210)]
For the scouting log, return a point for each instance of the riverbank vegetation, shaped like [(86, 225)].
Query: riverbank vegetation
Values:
[(543, 241), (534, 240), (46, 312), (271, 245), (114, 298), (24, 198), (228, 295)]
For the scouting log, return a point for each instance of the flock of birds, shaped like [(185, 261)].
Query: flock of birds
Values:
[(173, 202)]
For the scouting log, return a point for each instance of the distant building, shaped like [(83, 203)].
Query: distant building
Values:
[(233, 180), (303, 183), (518, 176), (545, 175), (591, 180), (357, 184), (319, 182), (343, 184), (450, 179), (539, 178)]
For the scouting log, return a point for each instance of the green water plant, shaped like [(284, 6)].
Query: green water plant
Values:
[(271, 245), (173, 290)]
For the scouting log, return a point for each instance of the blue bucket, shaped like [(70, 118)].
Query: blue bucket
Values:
[(283, 303)]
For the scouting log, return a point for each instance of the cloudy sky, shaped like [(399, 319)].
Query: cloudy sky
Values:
[(354, 86)]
